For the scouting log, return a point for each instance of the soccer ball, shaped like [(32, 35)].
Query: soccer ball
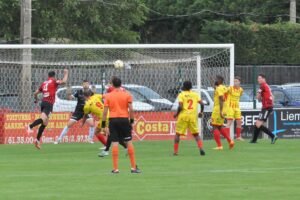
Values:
[(119, 64)]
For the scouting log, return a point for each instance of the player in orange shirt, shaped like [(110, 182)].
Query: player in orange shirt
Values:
[(233, 107), (188, 116), (219, 114), (121, 117)]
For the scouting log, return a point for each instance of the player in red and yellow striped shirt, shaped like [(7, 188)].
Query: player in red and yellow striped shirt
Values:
[(233, 106)]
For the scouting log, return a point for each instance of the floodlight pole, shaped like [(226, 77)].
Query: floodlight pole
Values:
[(25, 37)]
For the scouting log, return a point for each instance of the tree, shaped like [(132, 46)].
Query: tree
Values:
[(77, 21)]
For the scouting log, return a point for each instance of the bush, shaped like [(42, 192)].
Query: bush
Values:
[(256, 43)]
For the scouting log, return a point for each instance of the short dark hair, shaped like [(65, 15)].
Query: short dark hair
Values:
[(51, 74), (116, 82), (220, 79), (262, 75), (87, 93), (187, 85), (85, 81), (238, 78)]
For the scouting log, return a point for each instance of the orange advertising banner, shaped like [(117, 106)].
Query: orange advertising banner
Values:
[(147, 126)]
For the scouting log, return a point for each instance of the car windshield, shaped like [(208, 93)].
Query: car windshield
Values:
[(244, 98), (294, 93), (147, 92)]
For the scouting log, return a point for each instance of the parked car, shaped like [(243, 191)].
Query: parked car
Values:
[(291, 85), (149, 96), (207, 100), (286, 96), (246, 102), (208, 96), (144, 99)]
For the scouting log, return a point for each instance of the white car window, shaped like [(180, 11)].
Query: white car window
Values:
[(137, 96)]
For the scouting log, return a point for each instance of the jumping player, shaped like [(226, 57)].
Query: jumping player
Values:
[(188, 116), (94, 105), (121, 117), (78, 113), (48, 89), (219, 113), (265, 95), (233, 107)]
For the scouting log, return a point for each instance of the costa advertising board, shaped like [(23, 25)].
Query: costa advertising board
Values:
[(147, 126)]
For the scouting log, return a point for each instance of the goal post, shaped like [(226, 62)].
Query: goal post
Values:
[(153, 73)]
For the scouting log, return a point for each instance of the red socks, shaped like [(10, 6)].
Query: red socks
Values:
[(200, 144), (176, 147), (101, 138), (217, 137), (238, 132), (226, 133)]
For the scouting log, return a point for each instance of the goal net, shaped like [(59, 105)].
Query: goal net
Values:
[(153, 74)]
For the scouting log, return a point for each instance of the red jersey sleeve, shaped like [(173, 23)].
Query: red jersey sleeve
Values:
[(41, 87)]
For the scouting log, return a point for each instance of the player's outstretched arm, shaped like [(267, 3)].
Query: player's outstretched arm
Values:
[(258, 96), (65, 78), (35, 94), (104, 117), (131, 113), (200, 115), (70, 96)]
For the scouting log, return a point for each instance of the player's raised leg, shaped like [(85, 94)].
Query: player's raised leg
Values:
[(64, 132), (91, 124), (48, 89)]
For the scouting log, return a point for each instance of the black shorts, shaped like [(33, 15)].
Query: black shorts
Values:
[(78, 115), (120, 129), (46, 107), (264, 114)]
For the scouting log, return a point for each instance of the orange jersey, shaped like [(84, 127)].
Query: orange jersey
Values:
[(234, 95), (117, 102)]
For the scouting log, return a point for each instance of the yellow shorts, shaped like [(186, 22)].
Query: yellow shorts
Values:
[(234, 113), (186, 122), (216, 119)]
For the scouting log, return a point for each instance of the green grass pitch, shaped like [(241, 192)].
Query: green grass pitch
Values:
[(73, 171)]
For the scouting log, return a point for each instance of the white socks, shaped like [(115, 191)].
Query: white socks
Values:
[(63, 133), (91, 132)]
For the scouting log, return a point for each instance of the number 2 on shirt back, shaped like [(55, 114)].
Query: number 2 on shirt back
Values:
[(190, 104)]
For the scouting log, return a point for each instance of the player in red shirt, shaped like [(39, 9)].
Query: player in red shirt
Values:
[(48, 89), (265, 95)]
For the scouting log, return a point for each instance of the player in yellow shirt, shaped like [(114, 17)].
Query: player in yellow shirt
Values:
[(218, 114), (233, 107), (188, 116), (94, 105)]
